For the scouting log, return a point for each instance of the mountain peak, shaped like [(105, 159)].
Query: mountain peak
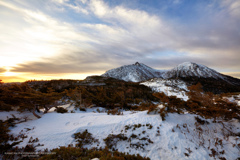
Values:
[(190, 69), (135, 72), (188, 65), (137, 64)]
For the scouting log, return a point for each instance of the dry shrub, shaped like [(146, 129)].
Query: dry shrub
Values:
[(112, 140), (152, 108), (144, 106), (61, 110), (84, 138), (115, 111), (201, 121), (163, 113), (86, 154)]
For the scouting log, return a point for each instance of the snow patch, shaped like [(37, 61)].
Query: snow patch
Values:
[(171, 87)]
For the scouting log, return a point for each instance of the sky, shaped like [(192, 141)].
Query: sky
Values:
[(72, 39)]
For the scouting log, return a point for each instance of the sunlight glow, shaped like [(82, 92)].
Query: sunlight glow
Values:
[(8, 73)]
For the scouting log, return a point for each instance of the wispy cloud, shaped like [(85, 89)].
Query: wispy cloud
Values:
[(81, 63), (91, 36), (37, 35), (232, 7)]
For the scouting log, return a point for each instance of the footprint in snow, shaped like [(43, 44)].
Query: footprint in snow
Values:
[(67, 123), (76, 123)]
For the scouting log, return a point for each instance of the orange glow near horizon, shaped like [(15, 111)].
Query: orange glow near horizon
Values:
[(9, 77)]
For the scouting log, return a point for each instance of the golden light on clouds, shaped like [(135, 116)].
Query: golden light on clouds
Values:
[(61, 39)]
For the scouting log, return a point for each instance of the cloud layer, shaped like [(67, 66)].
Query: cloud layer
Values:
[(2, 70), (92, 36)]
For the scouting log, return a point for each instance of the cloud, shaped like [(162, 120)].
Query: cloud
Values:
[(81, 63), (141, 34), (104, 36), (76, 6), (35, 34), (232, 7), (2, 70)]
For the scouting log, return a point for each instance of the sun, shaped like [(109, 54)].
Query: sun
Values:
[(8, 73)]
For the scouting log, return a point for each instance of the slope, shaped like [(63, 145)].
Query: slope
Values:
[(135, 72), (175, 138), (171, 87)]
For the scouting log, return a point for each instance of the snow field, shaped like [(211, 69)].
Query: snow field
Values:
[(169, 87), (54, 130)]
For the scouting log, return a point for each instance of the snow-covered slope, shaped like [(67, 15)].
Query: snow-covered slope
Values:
[(171, 87), (178, 137), (135, 72), (190, 69)]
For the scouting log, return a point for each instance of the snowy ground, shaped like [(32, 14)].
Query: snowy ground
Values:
[(177, 137), (174, 87), (234, 98)]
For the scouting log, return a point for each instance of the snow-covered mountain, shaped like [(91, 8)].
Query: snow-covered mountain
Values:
[(140, 72), (189, 69), (135, 72), (189, 72)]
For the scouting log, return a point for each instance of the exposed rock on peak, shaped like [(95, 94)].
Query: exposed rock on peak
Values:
[(137, 64)]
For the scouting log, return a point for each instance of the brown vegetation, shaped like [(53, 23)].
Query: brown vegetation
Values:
[(84, 138), (86, 154), (205, 104), (23, 97)]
